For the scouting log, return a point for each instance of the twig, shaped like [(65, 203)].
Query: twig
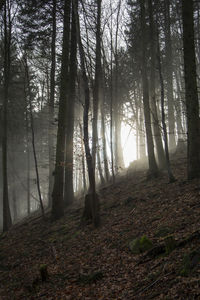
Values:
[(153, 283)]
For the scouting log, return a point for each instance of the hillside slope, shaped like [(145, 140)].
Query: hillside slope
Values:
[(87, 263)]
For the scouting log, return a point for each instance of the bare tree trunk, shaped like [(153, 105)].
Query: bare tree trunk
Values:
[(169, 76), (92, 210), (156, 125), (100, 167), (96, 92), (191, 93), (69, 189), (103, 134), (33, 135), (119, 161), (83, 160), (28, 163), (51, 102), (170, 175), (153, 169), (111, 99), (7, 221), (58, 189)]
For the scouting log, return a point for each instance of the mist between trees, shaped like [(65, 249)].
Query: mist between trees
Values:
[(89, 87)]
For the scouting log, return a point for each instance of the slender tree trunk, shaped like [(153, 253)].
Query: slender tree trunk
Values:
[(103, 134), (96, 92), (119, 161), (33, 136), (191, 93), (169, 76), (83, 160), (111, 99), (102, 180), (179, 112), (142, 143), (91, 199), (170, 175), (69, 189), (153, 169), (156, 125), (28, 163), (51, 102), (7, 221), (58, 189)]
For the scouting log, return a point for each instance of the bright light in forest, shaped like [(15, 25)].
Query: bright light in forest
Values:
[(128, 144)]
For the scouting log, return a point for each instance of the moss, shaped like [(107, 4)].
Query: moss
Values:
[(170, 244), (140, 245), (43, 272), (190, 262)]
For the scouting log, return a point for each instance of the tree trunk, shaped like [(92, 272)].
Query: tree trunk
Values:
[(169, 76), (33, 134), (156, 125), (83, 160), (191, 93), (97, 83), (119, 161), (153, 169), (69, 189), (170, 175), (51, 102), (58, 189), (7, 222), (103, 134), (94, 201), (28, 162)]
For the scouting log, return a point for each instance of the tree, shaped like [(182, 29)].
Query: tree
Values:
[(96, 92), (162, 97), (156, 125), (7, 221), (91, 200), (153, 170), (52, 101), (169, 76), (58, 189), (2, 2), (191, 93), (69, 189)]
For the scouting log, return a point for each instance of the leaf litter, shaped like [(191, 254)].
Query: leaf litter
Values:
[(87, 263)]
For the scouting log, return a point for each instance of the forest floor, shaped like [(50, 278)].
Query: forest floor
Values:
[(87, 263)]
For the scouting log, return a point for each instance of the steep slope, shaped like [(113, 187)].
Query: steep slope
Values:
[(87, 263)]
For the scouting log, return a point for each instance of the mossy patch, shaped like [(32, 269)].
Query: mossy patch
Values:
[(190, 262), (170, 244), (43, 272), (140, 245)]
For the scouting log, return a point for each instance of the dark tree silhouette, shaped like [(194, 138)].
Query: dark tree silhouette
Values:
[(191, 93)]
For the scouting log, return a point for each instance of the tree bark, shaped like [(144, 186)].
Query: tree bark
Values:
[(7, 221), (69, 189), (94, 201), (170, 175), (96, 92), (169, 77), (191, 93), (153, 169), (51, 102), (33, 134), (58, 189), (156, 125)]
